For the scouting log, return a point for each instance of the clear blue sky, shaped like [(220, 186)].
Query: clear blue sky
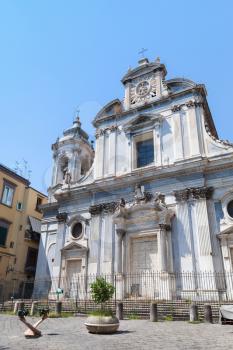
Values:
[(57, 55)]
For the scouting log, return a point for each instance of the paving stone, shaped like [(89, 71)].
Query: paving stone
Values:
[(70, 333)]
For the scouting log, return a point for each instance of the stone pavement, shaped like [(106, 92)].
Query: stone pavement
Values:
[(70, 333)]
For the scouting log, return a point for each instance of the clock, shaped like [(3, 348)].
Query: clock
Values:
[(143, 88)]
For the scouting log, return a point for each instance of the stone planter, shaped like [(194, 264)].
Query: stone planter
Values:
[(102, 324)]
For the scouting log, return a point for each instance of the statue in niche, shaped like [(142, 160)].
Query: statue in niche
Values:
[(160, 201), (67, 176), (139, 195)]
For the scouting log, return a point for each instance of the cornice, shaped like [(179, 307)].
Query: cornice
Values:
[(153, 173), (164, 99), (142, 70)]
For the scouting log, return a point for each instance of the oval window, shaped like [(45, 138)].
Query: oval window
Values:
[(230, 209), (77, 230)]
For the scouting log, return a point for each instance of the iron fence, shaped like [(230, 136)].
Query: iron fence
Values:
[(161, 286)]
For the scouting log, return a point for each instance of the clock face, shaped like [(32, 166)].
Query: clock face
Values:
[(143, 88)]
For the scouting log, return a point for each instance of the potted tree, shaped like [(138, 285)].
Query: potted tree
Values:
[(102, 320)]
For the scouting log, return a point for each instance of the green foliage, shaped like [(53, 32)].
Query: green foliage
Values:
[(133, 316), (188, 301), (168, 318), (101, 291), (101, 313), (8, 313), (63, 315)]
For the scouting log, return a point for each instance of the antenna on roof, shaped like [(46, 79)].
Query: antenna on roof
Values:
[(22, 169)]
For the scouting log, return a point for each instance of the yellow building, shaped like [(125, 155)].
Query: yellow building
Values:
[(19, 233)]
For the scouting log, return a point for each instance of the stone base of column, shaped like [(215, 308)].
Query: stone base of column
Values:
[(119, 285), (165, 287)]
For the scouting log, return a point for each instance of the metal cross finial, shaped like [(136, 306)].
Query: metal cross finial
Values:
[(76, 113), (141, 52)]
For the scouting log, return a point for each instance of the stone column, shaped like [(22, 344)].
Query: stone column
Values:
[(162, 246), (120, 234), (119, 277), (61, 230)]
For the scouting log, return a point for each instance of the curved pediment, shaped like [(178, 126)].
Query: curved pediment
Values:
[(142, 121), (111, 108)]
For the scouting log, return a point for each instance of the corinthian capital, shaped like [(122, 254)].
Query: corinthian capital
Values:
[(194, 193)]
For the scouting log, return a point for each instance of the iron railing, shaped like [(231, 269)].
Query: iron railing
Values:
[(202, 286)]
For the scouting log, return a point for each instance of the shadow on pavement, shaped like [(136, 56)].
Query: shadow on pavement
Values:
[(124, 332)]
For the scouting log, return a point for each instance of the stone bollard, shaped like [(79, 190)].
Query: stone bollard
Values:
[(193, 313), (58, 308), (119, 311), (33, 308), (153, 312), (16, 305), (208, 317)]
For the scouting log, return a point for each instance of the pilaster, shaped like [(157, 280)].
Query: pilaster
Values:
[(177, 134), (60, 240), (157, 144), (120, 235), (162, 247), (200, 235), (193, 130), (112, 152)]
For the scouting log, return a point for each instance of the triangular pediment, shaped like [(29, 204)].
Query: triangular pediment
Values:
[(74, 246), (142, 120), (226, 232)]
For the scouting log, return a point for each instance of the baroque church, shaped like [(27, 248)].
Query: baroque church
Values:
[(155, 195)]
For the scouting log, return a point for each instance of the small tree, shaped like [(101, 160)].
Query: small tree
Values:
[(101, 291)]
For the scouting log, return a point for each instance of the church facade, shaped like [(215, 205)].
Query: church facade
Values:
[(156, 194)]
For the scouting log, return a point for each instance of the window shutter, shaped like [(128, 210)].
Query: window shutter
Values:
[(3, 235)]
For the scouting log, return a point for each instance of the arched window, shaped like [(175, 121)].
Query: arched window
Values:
[(62, 168)]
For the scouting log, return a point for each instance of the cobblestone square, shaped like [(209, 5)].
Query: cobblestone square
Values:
[(70, 333)]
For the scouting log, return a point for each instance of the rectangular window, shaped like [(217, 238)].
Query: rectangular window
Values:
[(38, 203), (4, 226), (19, 206), (8, 194), (145, 152), (31, 260)]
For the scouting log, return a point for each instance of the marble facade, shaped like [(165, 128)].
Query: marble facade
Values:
[(107, 215)]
